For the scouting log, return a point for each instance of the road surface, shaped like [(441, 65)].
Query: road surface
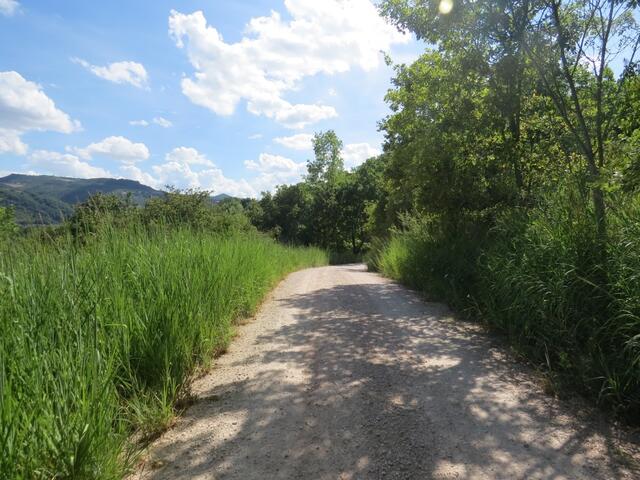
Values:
[(346, 375)]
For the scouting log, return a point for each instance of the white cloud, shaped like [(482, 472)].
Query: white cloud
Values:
[(25, 107), (163, 122), (274, 170), (8, 7), (134, 173), (301, 141), (268, 163), (117, 148), (132, 73), (10, 142), (64, 164), (255, 136), (355, 154), (188, 156), (322, 37), (181, 170)]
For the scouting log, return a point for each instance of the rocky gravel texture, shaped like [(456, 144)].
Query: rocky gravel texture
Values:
[(346, 375)]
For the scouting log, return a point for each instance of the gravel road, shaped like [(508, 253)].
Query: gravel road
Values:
[(346, 375)]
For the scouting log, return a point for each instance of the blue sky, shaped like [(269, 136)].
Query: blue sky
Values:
[(220, 95)]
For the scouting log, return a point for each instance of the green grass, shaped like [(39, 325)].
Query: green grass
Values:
[(538, 276), (98, 341)]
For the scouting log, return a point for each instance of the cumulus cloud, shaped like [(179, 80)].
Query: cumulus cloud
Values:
[(301, 141), (188, 156), (64, 164), (10, 142), (274, 170), (268, 163), (132, 73), (185, 167), (8, 7), (135, 173), (355, 154), (25, 107), (139, 123), (327, 37), (117, 148)]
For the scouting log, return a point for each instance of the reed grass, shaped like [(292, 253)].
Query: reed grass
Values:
[(97, 341), (540, 277)]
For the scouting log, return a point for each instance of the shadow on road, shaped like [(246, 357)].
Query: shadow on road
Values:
[(393, 388)]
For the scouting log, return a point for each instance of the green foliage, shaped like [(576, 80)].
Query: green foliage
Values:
[(46, 200), (541, 282), (536, 277), (195, 209), (510, 180), (426, 254), (332, 208), (176, 209), (8, 227), (327, 166), (98, 341)]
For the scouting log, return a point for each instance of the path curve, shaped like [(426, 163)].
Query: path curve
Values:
[(346, 375)]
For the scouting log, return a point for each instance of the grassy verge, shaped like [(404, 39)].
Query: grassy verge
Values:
[(97, 341), (540, 277)]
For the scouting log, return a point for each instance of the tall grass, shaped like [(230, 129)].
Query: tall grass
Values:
[(540, 277), (98, 340)]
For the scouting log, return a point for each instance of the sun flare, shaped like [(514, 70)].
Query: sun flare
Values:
[(445, 6)]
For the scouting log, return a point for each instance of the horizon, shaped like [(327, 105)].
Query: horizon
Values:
[(162, 189)]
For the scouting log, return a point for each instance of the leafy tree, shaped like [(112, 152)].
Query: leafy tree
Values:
[(327, 166), (330, 208), (571, 44), (488, 37)]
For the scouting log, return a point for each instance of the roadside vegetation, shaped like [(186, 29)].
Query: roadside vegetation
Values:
[(105, 319), (511, 180), (509, 185)]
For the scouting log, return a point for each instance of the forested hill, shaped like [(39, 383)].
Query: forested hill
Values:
[(43, 199)]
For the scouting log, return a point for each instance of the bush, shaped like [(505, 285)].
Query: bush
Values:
[(8, 227), (191, 209), (540, 276), (430, 256), (195, 209)]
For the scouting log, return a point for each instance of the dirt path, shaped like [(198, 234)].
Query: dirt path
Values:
[(346, 375)]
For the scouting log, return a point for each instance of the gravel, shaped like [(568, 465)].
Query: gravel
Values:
[(346, 375)]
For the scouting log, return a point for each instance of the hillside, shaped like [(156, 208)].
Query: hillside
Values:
[(44, 199)]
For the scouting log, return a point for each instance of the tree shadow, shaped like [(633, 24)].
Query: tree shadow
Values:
[(366, 380)]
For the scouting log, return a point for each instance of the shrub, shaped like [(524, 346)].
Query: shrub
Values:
[(539, 276)]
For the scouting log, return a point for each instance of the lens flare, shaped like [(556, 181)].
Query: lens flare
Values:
[(445, 6)]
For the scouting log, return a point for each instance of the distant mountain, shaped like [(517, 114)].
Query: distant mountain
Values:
[(44, 199), (221, 197)]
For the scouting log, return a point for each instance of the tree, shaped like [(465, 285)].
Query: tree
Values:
[(327, 166), (488, 35), (571, 44), (627, 128)]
